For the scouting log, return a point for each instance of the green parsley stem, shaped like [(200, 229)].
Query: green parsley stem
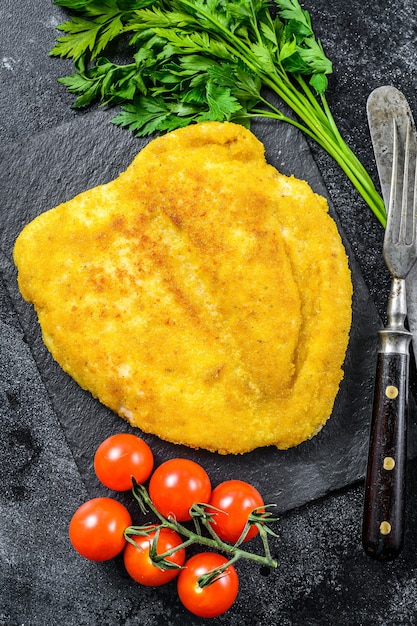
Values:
[(338, 149)]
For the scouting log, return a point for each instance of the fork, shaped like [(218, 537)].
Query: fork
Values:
[(384, 502)]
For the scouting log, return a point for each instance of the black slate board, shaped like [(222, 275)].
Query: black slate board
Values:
[(52, 167)]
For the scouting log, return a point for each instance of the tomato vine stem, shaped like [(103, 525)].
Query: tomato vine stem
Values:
[(202, 516)]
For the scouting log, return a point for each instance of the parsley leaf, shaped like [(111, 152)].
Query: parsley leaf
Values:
[(221, 102), (81, 35)]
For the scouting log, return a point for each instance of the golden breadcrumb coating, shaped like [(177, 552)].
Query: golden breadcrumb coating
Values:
[(201, 295)]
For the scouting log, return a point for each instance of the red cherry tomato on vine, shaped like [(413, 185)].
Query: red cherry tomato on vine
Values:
[(97, 528), (119, 458), (139, 564), (176, 485), (213, 599), (237, 499)]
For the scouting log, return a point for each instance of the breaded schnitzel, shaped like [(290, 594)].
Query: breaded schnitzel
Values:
[(201, 295)]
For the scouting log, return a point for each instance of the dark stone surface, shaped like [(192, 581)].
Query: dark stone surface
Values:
[(323, 577)]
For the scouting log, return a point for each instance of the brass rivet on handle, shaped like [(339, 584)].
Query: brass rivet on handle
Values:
[(389, 463), (385, 528), (391, 392)]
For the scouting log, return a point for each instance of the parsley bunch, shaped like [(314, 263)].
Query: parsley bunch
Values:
[(203, 60)]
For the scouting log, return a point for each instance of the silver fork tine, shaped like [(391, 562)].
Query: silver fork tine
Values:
[(400, 234), (404, 200), (382, 531), (404, 228), (414, 216), (394, 184)]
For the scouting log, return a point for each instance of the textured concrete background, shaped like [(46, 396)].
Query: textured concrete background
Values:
[(323, 577)]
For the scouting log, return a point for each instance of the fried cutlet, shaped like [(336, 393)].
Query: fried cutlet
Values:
[(201, 295)]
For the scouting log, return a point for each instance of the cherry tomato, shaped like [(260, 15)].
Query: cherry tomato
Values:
[(119, 458), (96, 528), (213, 599), (237, 499), (176, 485), (139, 564)]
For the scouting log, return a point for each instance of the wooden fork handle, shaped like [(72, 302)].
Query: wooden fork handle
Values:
[(383, 521)]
